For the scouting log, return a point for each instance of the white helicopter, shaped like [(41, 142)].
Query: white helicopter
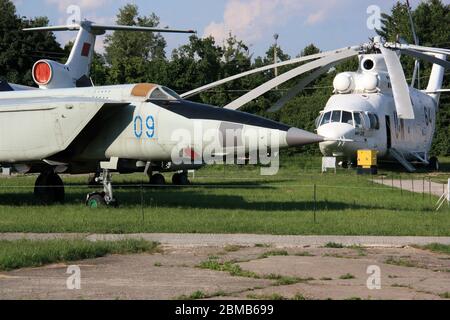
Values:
[(373, 108)]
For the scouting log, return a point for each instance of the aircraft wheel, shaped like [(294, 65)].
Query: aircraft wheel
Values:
[(180, 179), (157, 180), (49, 188), (176, 179), (433, 164), (95, 200)]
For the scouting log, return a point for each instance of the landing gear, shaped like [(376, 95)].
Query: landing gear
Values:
[(157, 180), (49, 188), (345, 164), (181, 179), (93, 180), (433, 164), (105, 198)]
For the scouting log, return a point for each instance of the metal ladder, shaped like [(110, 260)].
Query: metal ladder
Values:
[(400, 158)]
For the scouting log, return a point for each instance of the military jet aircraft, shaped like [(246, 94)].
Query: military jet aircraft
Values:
[(120, 128), (75, 73)]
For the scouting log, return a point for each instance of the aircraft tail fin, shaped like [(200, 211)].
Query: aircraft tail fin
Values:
[(79, 63)]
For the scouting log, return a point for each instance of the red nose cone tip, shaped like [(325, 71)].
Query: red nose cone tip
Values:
[(297, 137)]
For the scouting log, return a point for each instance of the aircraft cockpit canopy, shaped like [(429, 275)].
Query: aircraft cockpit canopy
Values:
[(356, 119), (163, 93)]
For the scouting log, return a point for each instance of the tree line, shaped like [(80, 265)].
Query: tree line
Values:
[(138, 57)]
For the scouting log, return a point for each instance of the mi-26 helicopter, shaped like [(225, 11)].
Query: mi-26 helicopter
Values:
[(120, 128), (372, 108)]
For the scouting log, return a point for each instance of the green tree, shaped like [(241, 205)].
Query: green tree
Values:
[(19, 50), (128, 53)]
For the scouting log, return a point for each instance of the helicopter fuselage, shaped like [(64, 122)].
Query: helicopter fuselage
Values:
[(370, 121), (362, 115)]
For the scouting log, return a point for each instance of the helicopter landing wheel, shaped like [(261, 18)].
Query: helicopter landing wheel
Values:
[(433, 164), (157, 180), (181, 179)]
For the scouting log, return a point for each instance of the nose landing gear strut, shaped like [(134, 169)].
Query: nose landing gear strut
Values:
[(104, 198)]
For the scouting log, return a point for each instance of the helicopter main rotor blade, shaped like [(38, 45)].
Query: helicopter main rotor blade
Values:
[(419, 48), (265, 68), (426, 57), (103, 28), (299, 87), (137, 28), (255, 93), (416, 73), (400, 87)]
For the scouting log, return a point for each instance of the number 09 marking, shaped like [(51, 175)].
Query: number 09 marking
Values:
[(150, 127)]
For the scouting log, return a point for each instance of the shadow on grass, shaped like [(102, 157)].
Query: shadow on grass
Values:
[(224, 184), (192, 199), (395, 167)]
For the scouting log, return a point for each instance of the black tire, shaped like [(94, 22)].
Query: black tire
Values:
[(184, 180), (157, 180), (95, 201), (57, 186), (433, 164), (176, 179), (49, 188), (41, 192)]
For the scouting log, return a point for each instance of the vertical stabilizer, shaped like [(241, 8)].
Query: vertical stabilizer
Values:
[(80, 59)]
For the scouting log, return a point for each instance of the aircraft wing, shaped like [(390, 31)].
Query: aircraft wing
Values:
[(37, 128)]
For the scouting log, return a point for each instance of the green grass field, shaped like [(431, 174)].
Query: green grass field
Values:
[(24, 253), (235, 200)]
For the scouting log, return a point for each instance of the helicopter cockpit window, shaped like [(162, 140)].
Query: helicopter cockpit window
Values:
[(326, 118), (374, 121), (336, 116), (358, 120), (347, 117), (318, 119)]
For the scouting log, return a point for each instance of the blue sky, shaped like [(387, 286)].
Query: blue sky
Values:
[(327, 23)]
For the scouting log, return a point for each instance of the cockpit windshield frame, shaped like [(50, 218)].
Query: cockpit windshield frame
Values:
[(164, 93)]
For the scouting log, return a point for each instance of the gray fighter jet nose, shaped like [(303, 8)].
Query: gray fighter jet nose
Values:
[(297, 137)]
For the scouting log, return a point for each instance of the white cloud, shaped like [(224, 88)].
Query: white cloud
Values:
[(83, 4), (251, 20), (316, 17)]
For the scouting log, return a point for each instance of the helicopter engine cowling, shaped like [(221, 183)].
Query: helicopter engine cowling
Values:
[(48, 74)]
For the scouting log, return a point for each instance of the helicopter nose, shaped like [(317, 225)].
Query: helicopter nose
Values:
[(337, 136)]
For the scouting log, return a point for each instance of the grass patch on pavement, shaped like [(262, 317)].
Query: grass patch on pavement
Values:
[(436, 247), (27, 253), (401, 262), (274, 253), (235, 270)]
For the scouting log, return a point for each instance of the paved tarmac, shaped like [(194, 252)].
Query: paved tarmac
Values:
[(258, 273), (418, 186), (208, 240)]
